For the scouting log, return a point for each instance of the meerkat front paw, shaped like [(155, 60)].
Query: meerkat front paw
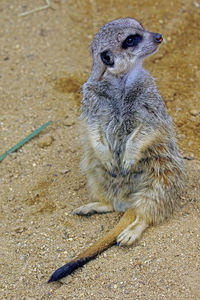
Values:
[(92, 208), (131, 233), (112, 170)]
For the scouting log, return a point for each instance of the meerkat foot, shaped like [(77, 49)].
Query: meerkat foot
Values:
[(131, 233), (92, 208)]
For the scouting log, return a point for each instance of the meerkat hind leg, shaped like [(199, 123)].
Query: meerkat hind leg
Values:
[(94, 207), (132, 232)]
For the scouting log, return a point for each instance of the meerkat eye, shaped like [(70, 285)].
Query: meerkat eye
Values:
[(107, 58), (131, 41)]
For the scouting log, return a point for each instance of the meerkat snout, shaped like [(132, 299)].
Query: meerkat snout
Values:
[(158, 38)]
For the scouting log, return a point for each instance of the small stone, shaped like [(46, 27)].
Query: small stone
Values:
[(196, 4), (126, 292), (19, 229), (43, 32), (22, 257), (181, 136), (45, 141), (189, 156), (64, 171), (194, 112), (68, 121)]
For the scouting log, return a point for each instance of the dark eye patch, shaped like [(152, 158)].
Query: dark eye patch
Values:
[(132, 41), (107, 58)]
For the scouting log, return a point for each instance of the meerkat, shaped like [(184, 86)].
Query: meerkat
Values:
[(130, 156)]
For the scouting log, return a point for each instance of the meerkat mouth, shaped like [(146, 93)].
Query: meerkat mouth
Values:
[(150, 52)]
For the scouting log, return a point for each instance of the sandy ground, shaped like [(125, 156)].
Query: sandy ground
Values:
[(44, 59)]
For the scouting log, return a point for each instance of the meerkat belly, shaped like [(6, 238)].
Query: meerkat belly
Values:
[(126, 187), (102, 162), (115, 187)]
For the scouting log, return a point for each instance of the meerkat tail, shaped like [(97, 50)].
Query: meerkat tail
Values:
[(101, 245)]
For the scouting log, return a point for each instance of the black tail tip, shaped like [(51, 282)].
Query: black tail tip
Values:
[(56, 275), (66, 270), (50, 280), (60, 273)]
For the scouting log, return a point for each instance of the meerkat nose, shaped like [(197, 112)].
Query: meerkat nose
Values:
[(158, 38)]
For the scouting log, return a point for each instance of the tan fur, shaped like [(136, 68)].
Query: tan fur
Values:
[(110, 238)]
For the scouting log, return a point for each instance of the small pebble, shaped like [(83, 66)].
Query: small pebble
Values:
[(188, 156), (64, 171), (196, 4), (45, 141), (194, 112), (43, 32), (19, 229), (68, 122)]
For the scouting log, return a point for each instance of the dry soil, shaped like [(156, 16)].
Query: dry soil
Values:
[(44, 59)]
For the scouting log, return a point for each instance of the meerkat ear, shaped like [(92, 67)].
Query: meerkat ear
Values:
[(107, 58)]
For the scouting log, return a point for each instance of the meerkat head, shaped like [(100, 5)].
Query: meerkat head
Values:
[(120, 45)]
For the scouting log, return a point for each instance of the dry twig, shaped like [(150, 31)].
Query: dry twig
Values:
[(48, 4)]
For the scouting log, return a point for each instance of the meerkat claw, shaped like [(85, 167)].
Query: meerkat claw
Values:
[(113, 173), (125, 240)]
